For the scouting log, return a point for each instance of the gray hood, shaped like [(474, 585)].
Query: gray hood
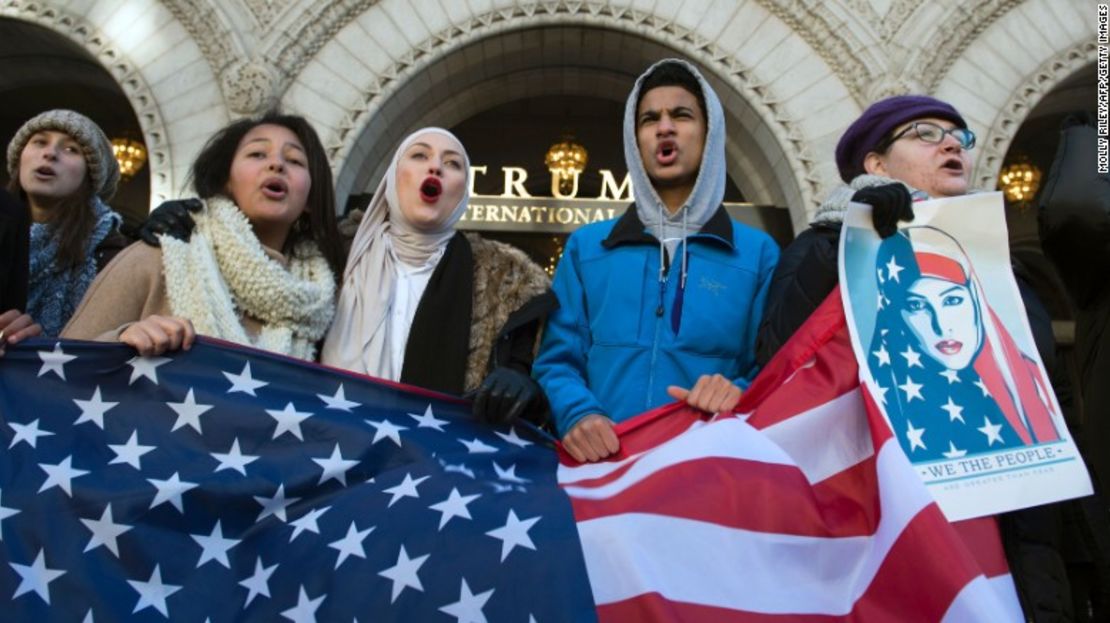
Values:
[(709, 189)]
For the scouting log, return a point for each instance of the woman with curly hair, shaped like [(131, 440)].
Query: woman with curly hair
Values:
[(259, 269)]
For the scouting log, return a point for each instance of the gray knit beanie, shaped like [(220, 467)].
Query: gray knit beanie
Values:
[(99, 159)]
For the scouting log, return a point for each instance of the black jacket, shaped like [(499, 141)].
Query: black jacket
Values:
[(1074, 219), (450, 342), (1035, 539), (109, 248), (805, 275), (15, 228), (1075, 235)]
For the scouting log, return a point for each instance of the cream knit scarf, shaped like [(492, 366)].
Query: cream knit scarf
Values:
[(223, 271)]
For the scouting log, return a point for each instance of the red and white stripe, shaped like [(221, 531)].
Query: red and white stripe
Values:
[(785, 513)]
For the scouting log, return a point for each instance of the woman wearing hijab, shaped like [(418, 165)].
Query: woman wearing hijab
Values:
[(260, 269), (61, 165), (976, 391), (423, 304)]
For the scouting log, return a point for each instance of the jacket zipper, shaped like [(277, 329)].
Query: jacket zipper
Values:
[(659, 313), (651, 370)]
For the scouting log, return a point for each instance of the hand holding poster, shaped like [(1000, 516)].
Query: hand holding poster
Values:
[(936, 315)]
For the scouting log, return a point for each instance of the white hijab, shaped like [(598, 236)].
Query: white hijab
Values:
[(359, 337)]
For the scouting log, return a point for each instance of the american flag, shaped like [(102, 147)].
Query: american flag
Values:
[(225, 484), (801, 508)]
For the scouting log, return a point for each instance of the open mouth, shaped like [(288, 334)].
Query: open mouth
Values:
[(275, 188), (430, 189), (666, 153), (45, 172), (953, 165), (949, 347)]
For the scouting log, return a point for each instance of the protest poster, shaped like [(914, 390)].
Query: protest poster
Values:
[(937, 316)]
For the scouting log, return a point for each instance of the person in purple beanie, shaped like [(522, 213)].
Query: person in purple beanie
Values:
[(901, 149), (914, 147)]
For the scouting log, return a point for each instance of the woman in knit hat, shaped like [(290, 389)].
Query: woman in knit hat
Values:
[(901, 149), (61, 165), (260, 268)]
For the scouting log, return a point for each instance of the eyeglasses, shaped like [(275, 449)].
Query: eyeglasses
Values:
[(933, 133)]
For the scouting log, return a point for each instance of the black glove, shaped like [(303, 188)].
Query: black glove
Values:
[(889, 203), (172, 218), (504, 395)]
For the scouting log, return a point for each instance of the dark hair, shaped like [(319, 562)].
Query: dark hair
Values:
[(212, 170), (673, 75), (71, 222)]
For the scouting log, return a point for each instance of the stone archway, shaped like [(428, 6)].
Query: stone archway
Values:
[(137, 92), (990, 83), (403, 72), (493, 71), (173, 93), (42, 70)]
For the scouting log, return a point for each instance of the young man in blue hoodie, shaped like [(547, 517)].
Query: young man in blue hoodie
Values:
[(664, 302)]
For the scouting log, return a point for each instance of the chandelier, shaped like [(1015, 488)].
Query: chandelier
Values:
[(131, 156), (565, 159), (553, 259), (1019, 181)]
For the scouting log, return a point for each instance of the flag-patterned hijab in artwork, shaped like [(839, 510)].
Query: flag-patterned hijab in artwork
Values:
[(950, 376)]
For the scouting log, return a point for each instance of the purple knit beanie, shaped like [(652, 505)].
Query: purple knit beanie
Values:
[(865, 133)]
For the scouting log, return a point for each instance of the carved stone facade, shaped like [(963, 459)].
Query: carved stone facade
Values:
[(248, 86), (793, 73), (116, 61)]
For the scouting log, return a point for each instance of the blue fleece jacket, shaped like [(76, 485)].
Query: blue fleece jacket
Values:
[(620, 336)]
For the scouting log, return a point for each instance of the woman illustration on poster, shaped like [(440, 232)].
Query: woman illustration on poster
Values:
[(950, 376)]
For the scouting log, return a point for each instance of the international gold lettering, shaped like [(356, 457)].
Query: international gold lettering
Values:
[(623, 192), (514, 182), (474, 172), (556, 186)]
